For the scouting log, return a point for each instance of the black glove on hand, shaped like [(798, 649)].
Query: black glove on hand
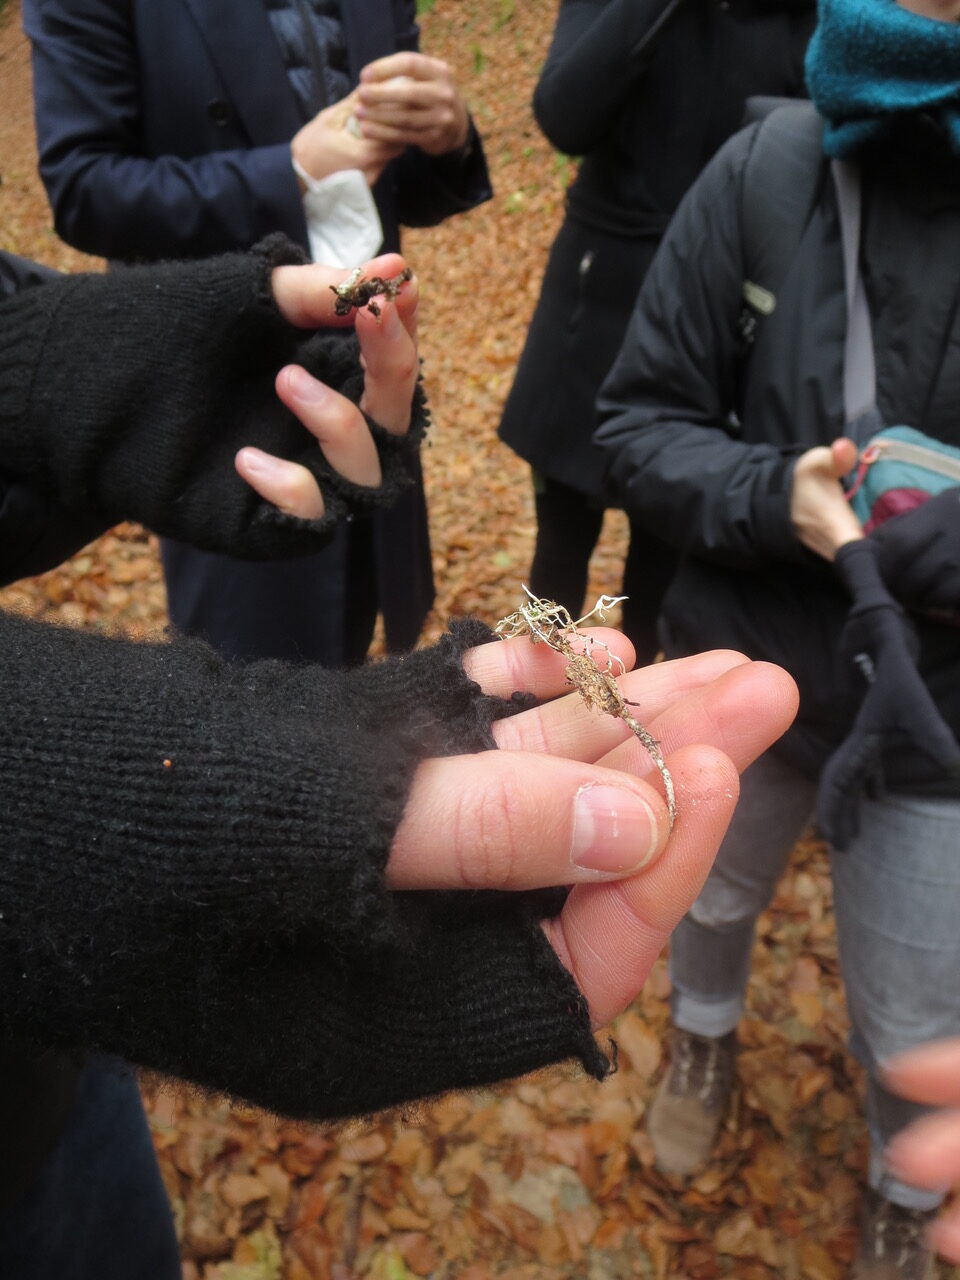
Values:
[(897, 711), (919, 555), (136, 389)]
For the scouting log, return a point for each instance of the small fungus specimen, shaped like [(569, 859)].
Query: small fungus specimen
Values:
[(359, 290)]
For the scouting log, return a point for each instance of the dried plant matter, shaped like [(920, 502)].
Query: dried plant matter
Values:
[(359, 290), (592, 670)]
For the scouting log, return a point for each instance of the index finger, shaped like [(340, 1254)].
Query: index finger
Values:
[(929, 1074), (305, 294), (417, 66), (579, 731), (517, 665)]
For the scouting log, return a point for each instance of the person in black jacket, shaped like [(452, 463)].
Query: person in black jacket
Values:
[(645, 91), (197, 128), (239, 874), (735, 453)]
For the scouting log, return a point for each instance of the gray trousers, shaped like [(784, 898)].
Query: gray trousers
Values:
[(897, 904)]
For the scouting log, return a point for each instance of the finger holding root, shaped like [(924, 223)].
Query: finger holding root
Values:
[(592, 668)]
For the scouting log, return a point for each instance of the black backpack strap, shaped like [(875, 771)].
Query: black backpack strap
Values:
[(781, 185)]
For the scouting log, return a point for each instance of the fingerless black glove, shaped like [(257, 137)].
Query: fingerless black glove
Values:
[(919, 556), (880, 648), (127, 396)]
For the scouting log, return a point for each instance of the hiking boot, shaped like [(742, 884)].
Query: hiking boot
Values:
[(692, 1101), (891, 1242)]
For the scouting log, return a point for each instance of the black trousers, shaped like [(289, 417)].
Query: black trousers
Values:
[(568, 526), (97, 1209), (319, 608)]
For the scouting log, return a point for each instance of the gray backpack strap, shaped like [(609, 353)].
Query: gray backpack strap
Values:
[(781, 184), (859, 366)]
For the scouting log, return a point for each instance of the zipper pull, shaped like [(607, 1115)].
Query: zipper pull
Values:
[(868, 456)]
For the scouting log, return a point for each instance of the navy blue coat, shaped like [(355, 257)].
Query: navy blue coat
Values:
[(164, 128)]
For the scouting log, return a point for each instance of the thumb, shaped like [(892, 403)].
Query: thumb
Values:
[(843, 456), (519, 820)]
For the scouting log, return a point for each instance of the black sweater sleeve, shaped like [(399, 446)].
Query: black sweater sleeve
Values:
[(192, 876), (595, 60), (127, 395)]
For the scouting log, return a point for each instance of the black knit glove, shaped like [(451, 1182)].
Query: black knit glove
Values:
[(919, 555), (879, 642), (134, 390)]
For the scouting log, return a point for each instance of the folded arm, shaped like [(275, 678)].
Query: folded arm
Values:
[(673, 460)]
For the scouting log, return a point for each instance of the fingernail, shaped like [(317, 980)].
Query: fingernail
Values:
[(615, 832), (261, 464), (304, 387)]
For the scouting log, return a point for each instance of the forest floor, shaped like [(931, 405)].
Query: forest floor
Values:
[(552, 1177)]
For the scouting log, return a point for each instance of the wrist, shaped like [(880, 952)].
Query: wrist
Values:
[(462, 145), (305, 163), (305, 182), (301, 180), (840, 538)]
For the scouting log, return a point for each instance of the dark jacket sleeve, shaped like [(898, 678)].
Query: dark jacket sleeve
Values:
[(108, 197), (18, 273), (127, 396), (192, 862), (595, 60), (666, 410), (432, 188)]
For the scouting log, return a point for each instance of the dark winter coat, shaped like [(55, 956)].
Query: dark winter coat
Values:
[(645, 120), (701, 439)]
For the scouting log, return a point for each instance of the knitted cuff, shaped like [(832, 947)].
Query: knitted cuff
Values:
[(362, 735), (471, 1000), (213, 807), (342, 499), (150, 433), (25, 320), (324, 1033)]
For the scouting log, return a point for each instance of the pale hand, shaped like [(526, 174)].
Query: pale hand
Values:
[(325, 145), (821, 515), (572, 798), (388, 353), (410, 99), (927, 1152)]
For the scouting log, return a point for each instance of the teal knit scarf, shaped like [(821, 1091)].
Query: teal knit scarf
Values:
[(871, 60)]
